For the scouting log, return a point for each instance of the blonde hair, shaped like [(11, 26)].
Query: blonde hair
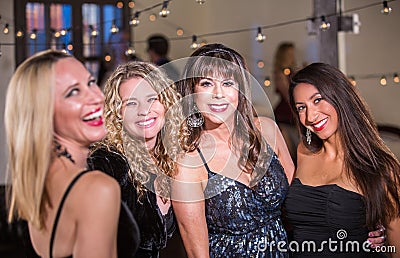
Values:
[(160, 160), (29, 129)]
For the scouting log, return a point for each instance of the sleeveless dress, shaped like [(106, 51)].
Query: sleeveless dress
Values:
[(327, 213), (243, 221), (128, 231)]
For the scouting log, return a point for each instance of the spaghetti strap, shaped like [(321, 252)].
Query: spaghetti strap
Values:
[(204, 160), (53, 232)]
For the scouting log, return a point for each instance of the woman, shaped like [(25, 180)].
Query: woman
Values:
[(347, 180), (54, 111), (229, 189), (141, 146)]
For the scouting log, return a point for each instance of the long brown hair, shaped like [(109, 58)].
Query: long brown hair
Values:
[(367, 159), (246, 139)]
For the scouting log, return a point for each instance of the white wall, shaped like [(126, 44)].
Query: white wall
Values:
[(7, 64)]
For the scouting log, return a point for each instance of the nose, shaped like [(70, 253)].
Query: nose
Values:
[(96, 95), (218, 91), (143, 109), (312, 115)]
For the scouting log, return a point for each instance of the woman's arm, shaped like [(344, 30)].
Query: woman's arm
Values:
[(97, 211), (189, 208)]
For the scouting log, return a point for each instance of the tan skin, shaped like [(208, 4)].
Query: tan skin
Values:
[(89, 219), (327, 166), (221, 158)]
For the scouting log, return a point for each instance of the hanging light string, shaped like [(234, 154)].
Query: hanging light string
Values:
[(265, 27)]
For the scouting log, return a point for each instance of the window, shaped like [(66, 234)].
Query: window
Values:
[(82, 28)]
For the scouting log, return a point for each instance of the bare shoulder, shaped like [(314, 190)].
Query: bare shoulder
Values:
[(96, 185), (191, 168)]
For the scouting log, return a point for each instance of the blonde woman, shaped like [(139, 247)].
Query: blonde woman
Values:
[(53, 112), (143, 120)]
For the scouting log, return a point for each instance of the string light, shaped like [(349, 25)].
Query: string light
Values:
[(352, 80), (70, 47), (200, 1), (120, 4), (260, 37), (164, 11), (152, 17), (64, 49), (287, 71), (6, 30), (179, 31), (194, 44), (63, 32), (19, 34), (396, 78), (267, 81), (114, 29), (93, 32), (135, 21), (386, 9), (130, 51), (324, 24), (260, 64), (131, 4), (383, 80), (33, 34), (57, 34), (107, 57)]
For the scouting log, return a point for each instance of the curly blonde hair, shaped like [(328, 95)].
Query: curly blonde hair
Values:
[(161, 159)]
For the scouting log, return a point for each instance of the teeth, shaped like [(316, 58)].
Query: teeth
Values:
[(144, 123), (219, 107), (93, 116), (320, 123)]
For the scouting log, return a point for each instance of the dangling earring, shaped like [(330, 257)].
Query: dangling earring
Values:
[(308, 136), (60, 152), (195, 119)]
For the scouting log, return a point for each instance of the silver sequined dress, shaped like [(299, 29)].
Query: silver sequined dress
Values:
[(243, 221)]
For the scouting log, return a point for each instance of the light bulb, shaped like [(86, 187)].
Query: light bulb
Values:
[(260, 37), (383, 81), (324, 24), (386, 9)]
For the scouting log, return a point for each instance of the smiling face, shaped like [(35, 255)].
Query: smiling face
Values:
[(142, 112), (78, 104), (217, 98), (315, 113)]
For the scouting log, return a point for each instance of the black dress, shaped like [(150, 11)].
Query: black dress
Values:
[(155, 228), (327, 220)]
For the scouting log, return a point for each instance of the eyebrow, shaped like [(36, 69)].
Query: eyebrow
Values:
[(310, 98)]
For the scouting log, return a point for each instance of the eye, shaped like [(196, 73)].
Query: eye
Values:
[(72, 92), (92, 82), (229, 83), (300, 108), (152, 99), (205, 83), (317, 100), (131, 103)]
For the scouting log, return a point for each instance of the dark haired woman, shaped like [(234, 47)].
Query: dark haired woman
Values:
[(347, 180)]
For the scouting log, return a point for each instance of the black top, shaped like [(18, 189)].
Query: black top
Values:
[(127, 227), (155, 228), (327, 213)]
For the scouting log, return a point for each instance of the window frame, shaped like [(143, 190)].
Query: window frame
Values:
[(77, 18)]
